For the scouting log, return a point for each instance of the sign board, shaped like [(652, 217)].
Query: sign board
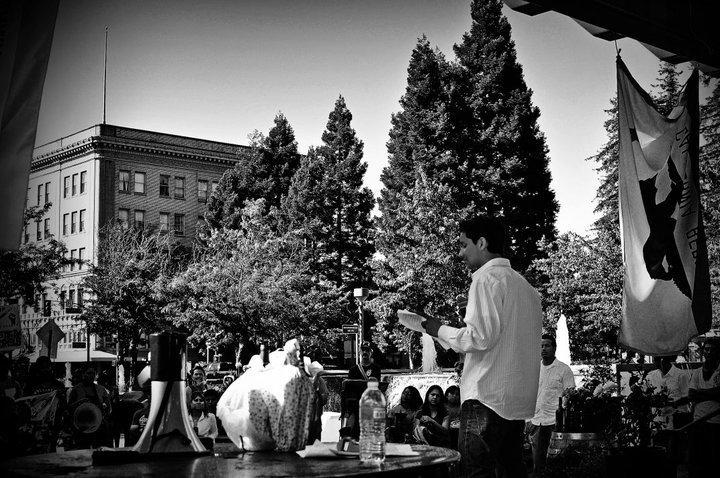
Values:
[(10, 334), (50, 335), (350, 328)]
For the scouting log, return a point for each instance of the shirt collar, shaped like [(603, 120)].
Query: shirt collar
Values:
[(549, 366), (496, 262)]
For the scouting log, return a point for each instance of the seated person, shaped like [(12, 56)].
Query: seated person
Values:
[(452, 404), (432, 421), (138, 422), (401, 417), (204, 422)]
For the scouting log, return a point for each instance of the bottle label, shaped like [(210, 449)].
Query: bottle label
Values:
[(378, 414)]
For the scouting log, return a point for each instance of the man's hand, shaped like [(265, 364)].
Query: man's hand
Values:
[(431, 326)]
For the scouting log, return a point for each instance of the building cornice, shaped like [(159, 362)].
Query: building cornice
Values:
[(158, 145)]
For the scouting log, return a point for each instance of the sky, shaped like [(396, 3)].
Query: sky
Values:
[(219, 70)]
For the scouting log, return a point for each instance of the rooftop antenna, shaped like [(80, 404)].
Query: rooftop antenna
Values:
[(105, 75)]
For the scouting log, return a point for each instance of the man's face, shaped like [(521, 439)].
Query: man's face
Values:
[(711, 351), (198, 376), (453, 398), (89, 376), (365, 358), (470, 252), (547, 351)]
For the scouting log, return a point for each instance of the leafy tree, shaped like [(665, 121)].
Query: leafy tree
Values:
[(129, 262), (263, 171), (418, 267), (329, 203), (583, 281), (495, 135), (25, 272), (250, 285)]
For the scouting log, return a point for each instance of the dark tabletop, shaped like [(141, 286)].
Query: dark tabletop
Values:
[(228, 461)]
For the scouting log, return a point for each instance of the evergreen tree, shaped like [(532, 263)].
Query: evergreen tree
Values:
[(416, 137), (710, 188), (668, 87), (495, 136), (327, 199), (264, 171)]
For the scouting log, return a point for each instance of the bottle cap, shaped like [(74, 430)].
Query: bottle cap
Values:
[(372, 384)]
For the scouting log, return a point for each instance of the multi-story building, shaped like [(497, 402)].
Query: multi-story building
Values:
[(106, 173)]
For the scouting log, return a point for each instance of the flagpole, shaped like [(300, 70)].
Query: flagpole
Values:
[(105, 76)]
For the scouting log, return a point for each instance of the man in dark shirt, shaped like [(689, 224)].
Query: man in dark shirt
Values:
[(366, 369)]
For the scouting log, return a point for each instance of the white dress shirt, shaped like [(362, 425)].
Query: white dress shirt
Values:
[(554, 379), (675, 383), (500, 342), (698, 382), (206, 425)]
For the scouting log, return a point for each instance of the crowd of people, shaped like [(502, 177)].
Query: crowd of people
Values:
[(506, 395)]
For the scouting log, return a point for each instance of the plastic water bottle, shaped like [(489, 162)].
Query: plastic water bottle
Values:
[(372, 425)]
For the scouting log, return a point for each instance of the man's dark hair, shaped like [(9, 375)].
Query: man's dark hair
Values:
[(491, 228), (551, 338)]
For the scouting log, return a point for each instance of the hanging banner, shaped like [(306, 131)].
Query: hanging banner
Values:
[(26, 32), (666, 297)]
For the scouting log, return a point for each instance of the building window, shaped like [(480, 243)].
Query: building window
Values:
[(81, 257), (164, 185), (139, 219), (46, 228), (179, 187), (63, 298), (66, 186), (38, 231), (40, 194), (124, 181), (26, 235), (139, 183), (73, 253), (80, 294), (74, 184), (47, 193), (83, 181), (214, 187), (164, 221), (71, 298), (82, 220), (66, 220), (179, 225), (202, 190), (124, 217), (73, 222)]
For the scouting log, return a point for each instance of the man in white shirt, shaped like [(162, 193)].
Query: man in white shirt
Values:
[(674, 382), (555, 378), (500, 375), (705, 393)]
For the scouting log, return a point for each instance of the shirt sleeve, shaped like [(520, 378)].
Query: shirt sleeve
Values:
[(568, 379), (213, 432), (694, 383), (684, 383), (484, 326)]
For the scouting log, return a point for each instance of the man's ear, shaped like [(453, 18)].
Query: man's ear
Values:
[(481, 243)]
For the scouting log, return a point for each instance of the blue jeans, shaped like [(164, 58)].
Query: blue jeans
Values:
[(488, 442)]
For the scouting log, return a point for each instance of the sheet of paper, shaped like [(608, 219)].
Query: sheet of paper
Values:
[(399, 449), (325, 450), (411, 320)]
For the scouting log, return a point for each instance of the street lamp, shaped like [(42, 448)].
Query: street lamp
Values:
[(361, 295)]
